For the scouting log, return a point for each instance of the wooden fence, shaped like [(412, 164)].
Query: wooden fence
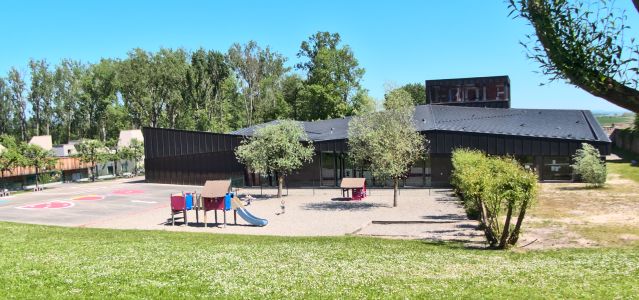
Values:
[(626, 139), (62, 164)]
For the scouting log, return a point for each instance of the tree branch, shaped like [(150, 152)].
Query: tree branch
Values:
[(583, 76)]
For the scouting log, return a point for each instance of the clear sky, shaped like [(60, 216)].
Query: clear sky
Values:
[(395, 41)]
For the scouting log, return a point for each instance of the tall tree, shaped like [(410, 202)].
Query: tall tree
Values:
[(586, 44), (204, 80), (99, 86), (332, 76), (67, 92), (417, 91), (41, 96), (153, 86), (292, 85), (17, 89), (387, 142), (259, 72), (6, 108)]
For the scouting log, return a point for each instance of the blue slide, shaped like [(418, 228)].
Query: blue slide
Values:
[(251, 219)]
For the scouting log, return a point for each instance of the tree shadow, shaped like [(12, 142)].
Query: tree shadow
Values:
[(452, 217), (578, 188), (342, 206)]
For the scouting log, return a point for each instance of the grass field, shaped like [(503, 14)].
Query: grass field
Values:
[(606, 120), (623, 166), (57, 262)]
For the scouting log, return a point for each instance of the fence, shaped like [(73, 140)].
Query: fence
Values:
[(626, 139)]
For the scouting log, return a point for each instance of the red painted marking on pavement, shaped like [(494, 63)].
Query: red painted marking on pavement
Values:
[(128, 192), (47, 205)]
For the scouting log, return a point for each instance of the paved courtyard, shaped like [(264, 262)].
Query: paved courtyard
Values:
[(133, 204)]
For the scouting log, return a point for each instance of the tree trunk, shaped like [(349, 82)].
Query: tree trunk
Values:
[(395, 188), (504, 234), (280, 184), (520, 219), (488, 231), (94, 168), (37, 178)]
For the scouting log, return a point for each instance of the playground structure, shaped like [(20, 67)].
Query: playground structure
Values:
[(182, 203), (357, 187), (216, 195)]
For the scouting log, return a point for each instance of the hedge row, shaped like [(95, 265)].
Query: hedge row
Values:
[(495, 190)]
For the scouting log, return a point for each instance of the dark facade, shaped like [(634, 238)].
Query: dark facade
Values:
[(190, 157), (543, 140), (493, 91)]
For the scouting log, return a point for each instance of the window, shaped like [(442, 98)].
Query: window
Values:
[(557, 168), (501, 92), (471, 93), (455, 95)]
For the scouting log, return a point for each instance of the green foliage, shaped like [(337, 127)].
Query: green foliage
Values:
[(135, 152), (387, 142), (588, 44), (589, 165), (38, 158), (173, 88), (260, 72), (417, 91), (362, 103), (397, 99), (278, 148), (497, 189), (10, 155), (469, 182), (332, 76), (92, 152)]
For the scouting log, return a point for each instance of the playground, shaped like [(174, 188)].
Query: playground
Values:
[(132, 204)]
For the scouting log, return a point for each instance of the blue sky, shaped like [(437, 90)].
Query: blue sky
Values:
[(395, 41)]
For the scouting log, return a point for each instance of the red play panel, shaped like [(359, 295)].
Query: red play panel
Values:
[(52, 205), (128, 192), (88, 197)]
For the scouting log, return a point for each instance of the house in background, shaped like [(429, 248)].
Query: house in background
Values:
[(44, 141), (126, 136), (65, 150)]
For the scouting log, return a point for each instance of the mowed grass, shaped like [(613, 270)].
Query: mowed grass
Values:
[(623, 167), (56, 262)]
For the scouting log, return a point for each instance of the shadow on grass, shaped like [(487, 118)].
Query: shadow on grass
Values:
[(338, 205), (579, 188)]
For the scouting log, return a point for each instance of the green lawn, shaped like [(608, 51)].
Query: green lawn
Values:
[(56, 262), (623, 166)]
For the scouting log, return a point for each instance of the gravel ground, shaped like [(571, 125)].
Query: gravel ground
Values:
[(132, 204)]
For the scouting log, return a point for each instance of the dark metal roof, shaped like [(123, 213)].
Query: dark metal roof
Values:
[(541, 123)]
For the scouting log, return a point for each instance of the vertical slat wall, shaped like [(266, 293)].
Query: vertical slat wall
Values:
[(190, 157), (443, 142)]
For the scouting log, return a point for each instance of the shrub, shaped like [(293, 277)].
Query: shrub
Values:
[(496, 190), (589, 166)]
